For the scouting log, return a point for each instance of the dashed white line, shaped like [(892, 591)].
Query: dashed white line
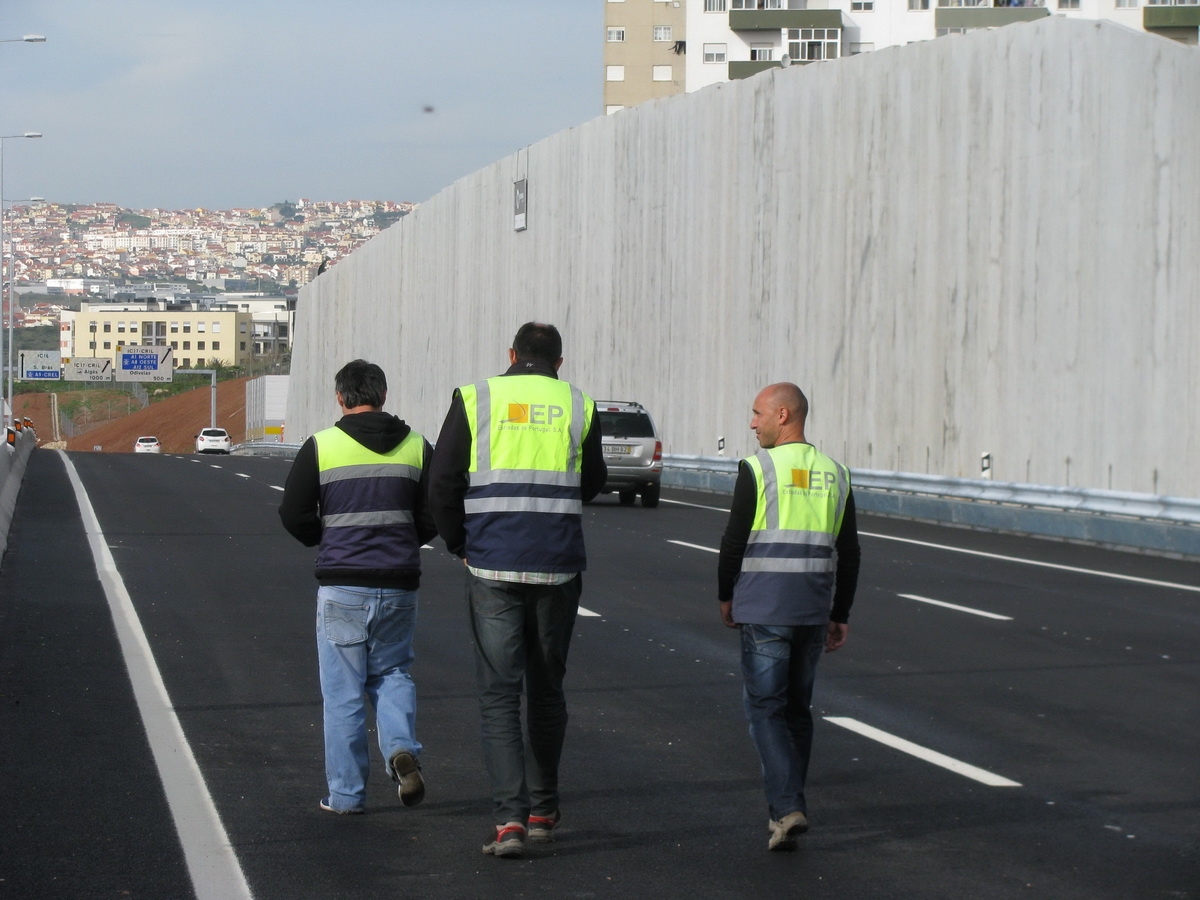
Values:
[(955, 606), (693, 505), (693, 546), (983, 776), (241, 475), (275, 487), (588, 613)]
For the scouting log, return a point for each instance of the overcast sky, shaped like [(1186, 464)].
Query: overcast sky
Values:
[(245, 103)]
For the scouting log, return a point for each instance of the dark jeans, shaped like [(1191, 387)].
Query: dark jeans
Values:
[(779, 666), (522, 633)]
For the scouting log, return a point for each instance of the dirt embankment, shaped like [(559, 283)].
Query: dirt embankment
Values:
[(175, 421)]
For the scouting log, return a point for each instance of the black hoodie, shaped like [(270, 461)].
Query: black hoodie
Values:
[(300, 510)]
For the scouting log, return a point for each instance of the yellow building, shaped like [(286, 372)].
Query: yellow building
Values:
[(643, 51), (197, 336)]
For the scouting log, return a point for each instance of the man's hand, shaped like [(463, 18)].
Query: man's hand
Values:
[(836, 636), (727, 614)]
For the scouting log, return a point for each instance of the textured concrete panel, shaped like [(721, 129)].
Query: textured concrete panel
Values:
[(979, 243)]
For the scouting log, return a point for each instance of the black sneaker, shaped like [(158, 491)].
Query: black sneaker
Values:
[(407, 771), (507, 841), (541, 828)]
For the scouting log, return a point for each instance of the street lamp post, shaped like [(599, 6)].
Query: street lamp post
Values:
[(12, 410)]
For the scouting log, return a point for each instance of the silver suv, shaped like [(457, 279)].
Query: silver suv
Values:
[(632, 451)]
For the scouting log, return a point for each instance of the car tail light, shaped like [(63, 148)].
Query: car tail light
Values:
[(657, 451)]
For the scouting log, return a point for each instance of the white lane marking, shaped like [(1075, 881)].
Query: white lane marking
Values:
[(923, 753), (213, 866), (241, 475), (588, 613), (215, 466), (275, 487), (693, 546), (1034, 562), (966, 609), (693, 505)]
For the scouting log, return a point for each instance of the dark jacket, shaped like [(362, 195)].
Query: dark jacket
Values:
[(300, 510), (452, 460)]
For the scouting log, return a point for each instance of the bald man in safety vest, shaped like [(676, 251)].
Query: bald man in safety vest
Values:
[(786, 578)]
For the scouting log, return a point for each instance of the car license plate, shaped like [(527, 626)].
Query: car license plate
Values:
[(618, 449)]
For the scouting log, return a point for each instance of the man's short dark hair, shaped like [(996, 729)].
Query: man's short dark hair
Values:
[(535, 340), (361, 383)]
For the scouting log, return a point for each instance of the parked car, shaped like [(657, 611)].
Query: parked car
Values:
[(213, 440), (632, 451), (147, 443)]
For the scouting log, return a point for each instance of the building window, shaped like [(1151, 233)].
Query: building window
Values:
[(714, 53), (614, 73), (862, 5), (609, 110), (757, 4), (616, 35), (199, 345), (1068, 4), (174, 328), (216, 345), (662, 33), (174, 345), (187, 345), (942, 32), (108, 345), (200, 327), (107, 327), (714, 5), (187, 327), (811, 44), (120, 328), (760, 52), (918, 4), (662, 73), (216, 329), (243, 328), (243, 345), (1127, 4), (187, 361)]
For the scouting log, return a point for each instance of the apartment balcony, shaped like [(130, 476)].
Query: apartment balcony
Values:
[(778, 19), (1180, 22), (987, 16)]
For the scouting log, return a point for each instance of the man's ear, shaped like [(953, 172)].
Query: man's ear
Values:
[(557, 364), (512, 356)]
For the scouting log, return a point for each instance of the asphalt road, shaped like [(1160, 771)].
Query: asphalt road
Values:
[(1036, 738)]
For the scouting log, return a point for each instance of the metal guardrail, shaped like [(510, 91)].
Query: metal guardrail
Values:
[(1148, 522), (265, 448)]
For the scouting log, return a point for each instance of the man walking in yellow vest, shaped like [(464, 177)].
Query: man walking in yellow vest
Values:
[(516, 458), (356, 491), (786, 577)]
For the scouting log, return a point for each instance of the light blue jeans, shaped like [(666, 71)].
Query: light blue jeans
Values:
[(365, 649), (779, 666), (522, 634)]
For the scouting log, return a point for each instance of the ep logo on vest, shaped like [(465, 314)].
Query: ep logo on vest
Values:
[(812, 480), (543, 414)]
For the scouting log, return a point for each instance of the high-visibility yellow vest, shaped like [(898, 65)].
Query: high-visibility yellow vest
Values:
[(367, 501), (788, 568), (524, 503)]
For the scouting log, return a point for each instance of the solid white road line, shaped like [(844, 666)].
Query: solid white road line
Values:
[(923, 753), (966, 609), (1034, 562), (588, 613), (275, 487), (693, 546), (214, 868)]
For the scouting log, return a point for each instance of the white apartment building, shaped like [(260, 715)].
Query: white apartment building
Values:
[(730, 39)]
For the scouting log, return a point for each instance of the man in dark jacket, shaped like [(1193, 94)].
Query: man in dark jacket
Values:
[(517, 456), (356, 491)]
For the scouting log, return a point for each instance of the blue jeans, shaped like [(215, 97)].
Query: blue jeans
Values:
[(522, 633), (365, 648), (779, 665)]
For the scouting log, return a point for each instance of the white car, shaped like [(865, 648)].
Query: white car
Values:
[(147, 443), (213, 440)]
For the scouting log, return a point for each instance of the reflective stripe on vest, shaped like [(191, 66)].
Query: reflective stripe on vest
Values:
[(527, 435), (367, 503), (787, 570)]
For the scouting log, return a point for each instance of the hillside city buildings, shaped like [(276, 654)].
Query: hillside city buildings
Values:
[(213, 285), (654, 48)]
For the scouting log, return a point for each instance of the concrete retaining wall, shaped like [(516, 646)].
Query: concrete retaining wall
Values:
[(983, 243)]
